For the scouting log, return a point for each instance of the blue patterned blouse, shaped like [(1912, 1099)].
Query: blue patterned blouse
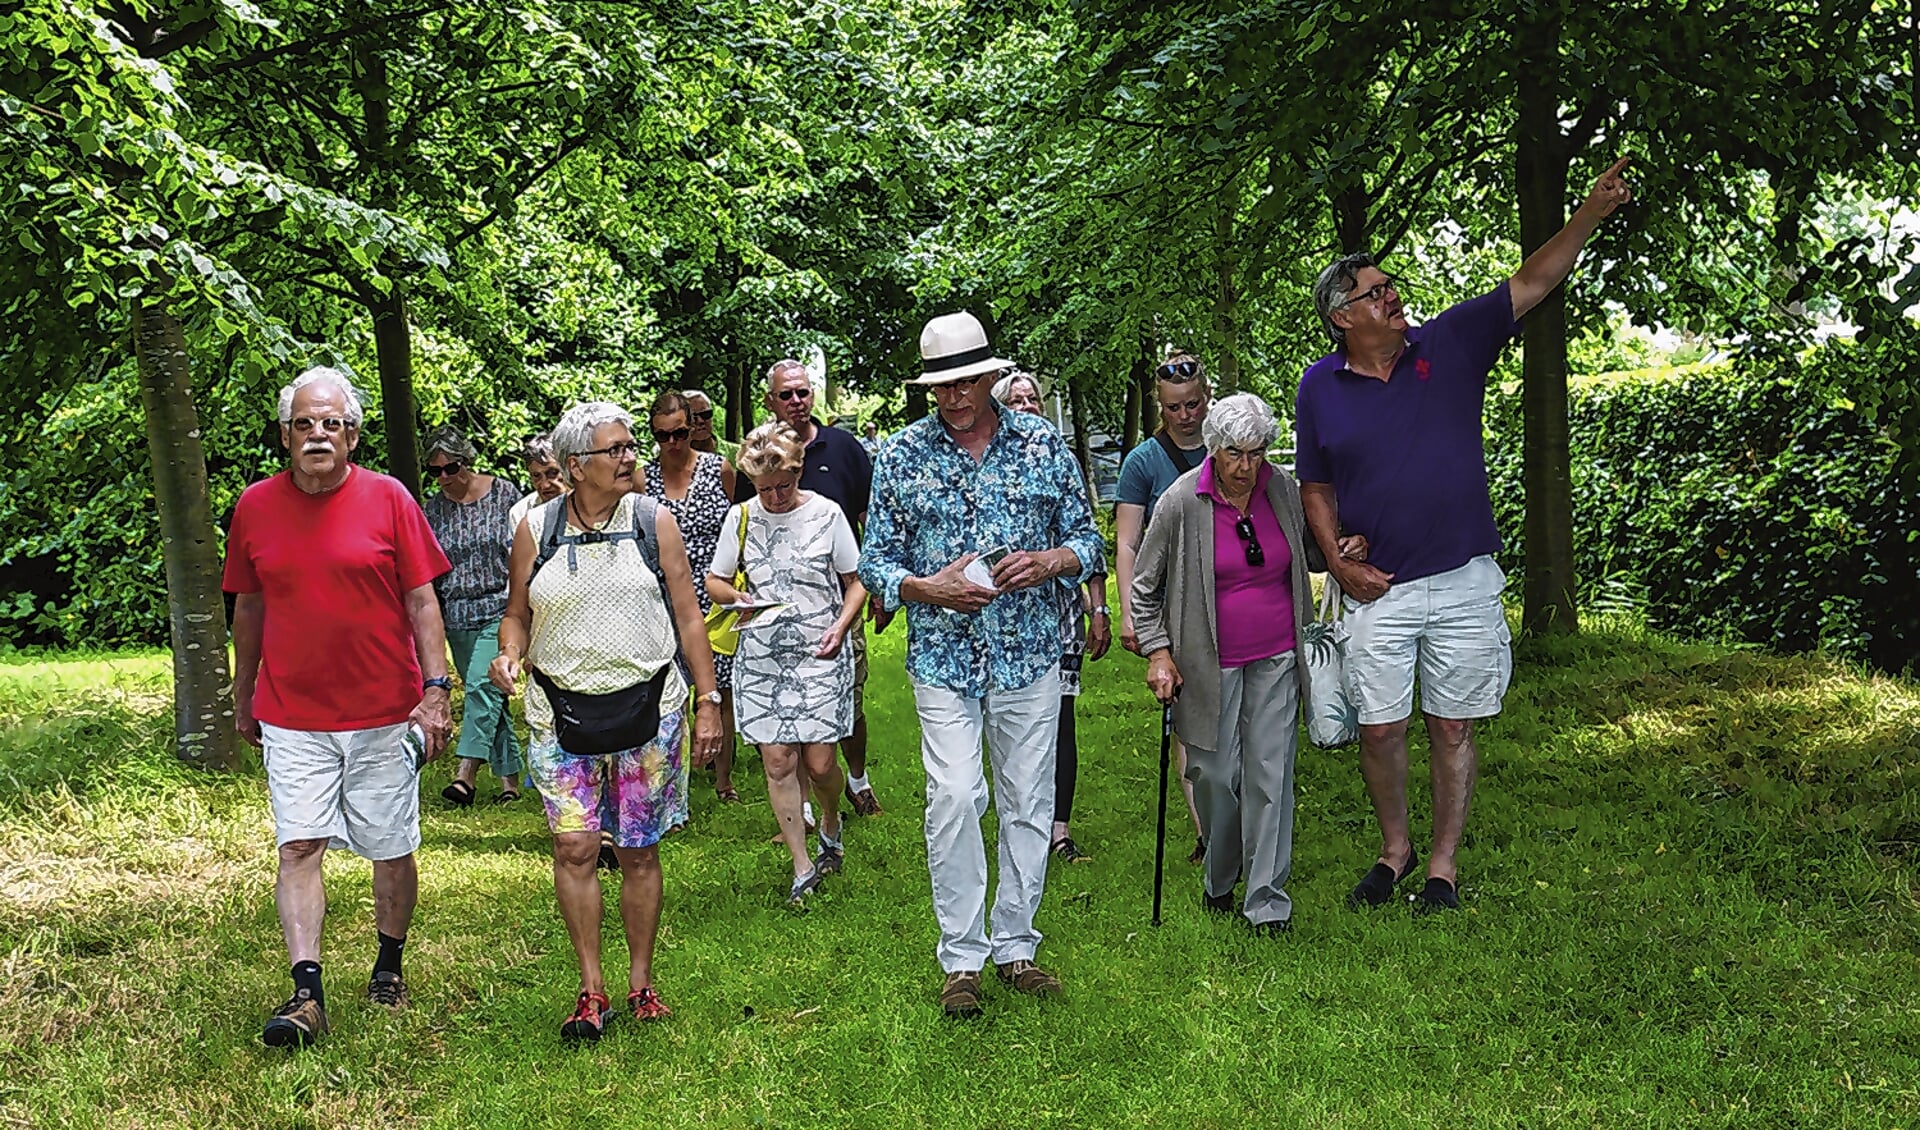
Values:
[(932, 503)]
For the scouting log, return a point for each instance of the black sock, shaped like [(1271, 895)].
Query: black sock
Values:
[(389, 959), (306, 975)]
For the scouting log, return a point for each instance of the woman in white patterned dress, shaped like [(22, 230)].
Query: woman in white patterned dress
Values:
[(792, 676)]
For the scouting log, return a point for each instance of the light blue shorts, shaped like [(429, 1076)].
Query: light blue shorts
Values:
[(1450, 628)]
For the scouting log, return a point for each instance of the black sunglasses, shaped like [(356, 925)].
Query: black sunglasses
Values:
[(676, 434), (703, 417), (442, 470), (1256, 556), (1177, 370), (793, 393)]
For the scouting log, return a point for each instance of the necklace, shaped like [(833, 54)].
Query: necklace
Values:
[(580, 516)]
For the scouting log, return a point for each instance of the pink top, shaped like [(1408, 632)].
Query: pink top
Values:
[(1253, 604)]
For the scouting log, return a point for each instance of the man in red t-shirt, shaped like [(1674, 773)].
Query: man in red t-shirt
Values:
[(334, 624)]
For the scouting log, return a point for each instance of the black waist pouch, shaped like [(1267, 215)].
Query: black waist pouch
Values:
[(587, 725)]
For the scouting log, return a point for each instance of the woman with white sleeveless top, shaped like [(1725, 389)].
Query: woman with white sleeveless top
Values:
[(600, 620)]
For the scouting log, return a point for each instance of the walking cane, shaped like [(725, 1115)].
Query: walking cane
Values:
[(1160, 839)]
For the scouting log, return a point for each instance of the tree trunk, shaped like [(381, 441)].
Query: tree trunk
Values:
[(1226, 298), (916, 402), (1540, 166), (190, 545), (1082, 437), (1130, 414), (1350, 218), (1149, 390), (393, 345)]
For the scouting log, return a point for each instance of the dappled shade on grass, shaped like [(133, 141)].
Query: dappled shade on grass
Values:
[(1687, 886)]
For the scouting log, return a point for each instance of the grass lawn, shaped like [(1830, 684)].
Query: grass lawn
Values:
[(1688, 889)]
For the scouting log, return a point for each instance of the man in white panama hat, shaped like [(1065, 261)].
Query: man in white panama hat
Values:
[(975, 485)]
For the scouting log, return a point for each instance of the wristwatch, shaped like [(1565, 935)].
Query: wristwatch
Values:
[(1098, 610), (441, 681), (711, 696)]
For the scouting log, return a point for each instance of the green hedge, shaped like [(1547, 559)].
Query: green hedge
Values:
[(1737, 500)]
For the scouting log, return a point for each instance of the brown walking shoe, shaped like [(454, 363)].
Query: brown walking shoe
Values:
[(1028, 978), (297, 1023), (960, 996), (864, 802), (388, 991)]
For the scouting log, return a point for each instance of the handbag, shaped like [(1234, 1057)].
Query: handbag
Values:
[(1332, 720), (723, 624), (586, 725)]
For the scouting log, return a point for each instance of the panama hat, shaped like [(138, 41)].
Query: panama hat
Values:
[(954, 347)]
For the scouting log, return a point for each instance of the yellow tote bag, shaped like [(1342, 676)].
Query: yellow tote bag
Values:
[(723, 624)]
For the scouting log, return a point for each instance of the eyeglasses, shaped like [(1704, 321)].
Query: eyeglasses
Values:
[(960, 385), (442, 470), (617, 450), (326, 424), (1177, 371), (675, 435), (794, 393), (702, 417), (1373, 293), (1256, 556)]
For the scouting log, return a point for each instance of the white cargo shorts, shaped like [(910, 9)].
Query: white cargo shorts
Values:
[(356, 789), (1449, 628)]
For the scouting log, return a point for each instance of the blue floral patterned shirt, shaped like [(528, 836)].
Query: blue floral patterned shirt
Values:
[(932, 504)]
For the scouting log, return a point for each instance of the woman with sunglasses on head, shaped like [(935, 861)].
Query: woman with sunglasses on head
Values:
[(700, 419), (696, 486), (1220, 598), (469, 516)]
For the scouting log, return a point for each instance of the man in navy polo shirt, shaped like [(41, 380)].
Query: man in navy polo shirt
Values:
[(838, 468), (1389, 446)]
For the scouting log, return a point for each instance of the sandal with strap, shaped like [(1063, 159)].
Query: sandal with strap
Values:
[(589, 1018), (646, 1004), (459, 794)]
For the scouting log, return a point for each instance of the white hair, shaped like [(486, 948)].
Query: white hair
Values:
[(1241, 421), (573, 435), (321, 374), (787, 364)]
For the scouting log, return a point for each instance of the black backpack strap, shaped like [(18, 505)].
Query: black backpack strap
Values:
[(1180, 458)]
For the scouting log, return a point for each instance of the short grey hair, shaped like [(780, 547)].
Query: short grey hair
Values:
[(694, 394), (1003, 387), (1242, 421), (784, 364), (1330, 290), (573, 435), (447, 440), (539, 449), (321, 374)]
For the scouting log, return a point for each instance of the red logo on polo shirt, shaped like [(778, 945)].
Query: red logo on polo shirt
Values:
[(1423, 368)]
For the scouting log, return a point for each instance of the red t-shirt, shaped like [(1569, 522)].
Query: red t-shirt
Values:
[(333, 571)]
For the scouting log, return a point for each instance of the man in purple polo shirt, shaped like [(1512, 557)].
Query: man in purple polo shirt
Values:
[(1389, 446)]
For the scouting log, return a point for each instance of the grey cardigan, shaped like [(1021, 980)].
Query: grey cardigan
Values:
[(1173, 595)]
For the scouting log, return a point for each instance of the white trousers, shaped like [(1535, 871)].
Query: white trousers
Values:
[(1019, 730)]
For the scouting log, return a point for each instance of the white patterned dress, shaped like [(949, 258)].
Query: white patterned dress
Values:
[(782, 695)]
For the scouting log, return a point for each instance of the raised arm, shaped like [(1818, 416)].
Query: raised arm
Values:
[(1551, 262)]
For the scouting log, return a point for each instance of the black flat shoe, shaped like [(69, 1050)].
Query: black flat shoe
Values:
[(1436, 896), (459, 794), (1376, 886)]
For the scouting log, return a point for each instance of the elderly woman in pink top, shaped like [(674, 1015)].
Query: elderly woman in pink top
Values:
[(1220, 597)]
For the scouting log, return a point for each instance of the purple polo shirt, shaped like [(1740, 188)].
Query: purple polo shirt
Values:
[(1405, 455)]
